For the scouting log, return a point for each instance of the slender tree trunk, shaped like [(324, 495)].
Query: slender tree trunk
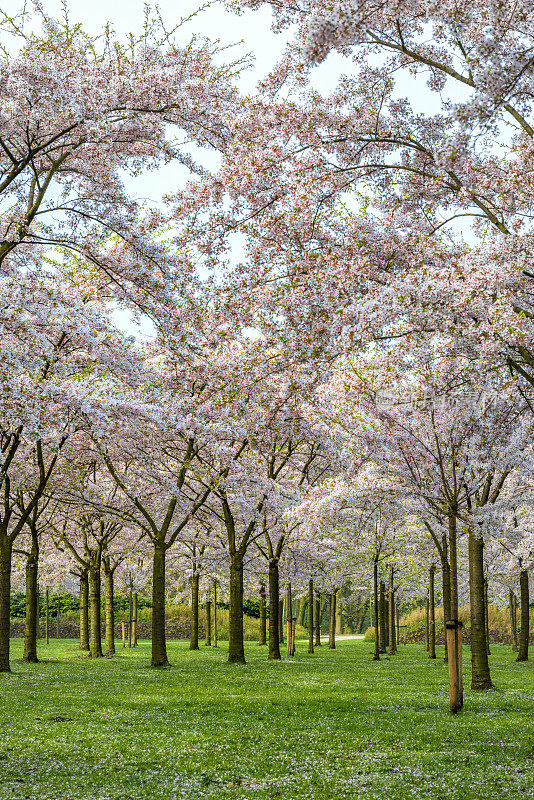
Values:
[(427, 623), (480, 671), (281, 622), (310, 616), (208, 623), (130, 614), (382, 617), (84, 610), (159, 644), (391, 620), (486, 616), (274, 610), (524, 629), (215, 613), (47, 615), (95, 600), (318, 620), (193, 645), (32, 604), (263, 617), (376, 656), (236, 647), (453, 626), (135, 616), (289, 607), (5, 593), (446, 578), (432, 613), (332, 627), (58, 615), (110, 611), (513, 622)]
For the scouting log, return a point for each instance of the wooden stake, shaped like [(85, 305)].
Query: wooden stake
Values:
[(123, 634)]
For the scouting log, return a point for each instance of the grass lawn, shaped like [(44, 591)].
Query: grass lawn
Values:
[(332, 725)]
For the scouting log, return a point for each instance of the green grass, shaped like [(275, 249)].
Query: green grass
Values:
[(332, 725)]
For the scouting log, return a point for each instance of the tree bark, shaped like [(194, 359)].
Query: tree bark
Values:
[(480, 671), (215, 613), (524, 629), (94, 600), (110, 611), (84, 610), (193, 644), (263, 618), (208, 623), (486, 616), (274, 610), (376, 656), (32, 604), (427, 623), (310, 616), (5, 592), (135, 616), (391, 608), (318, 620), (453, 626), (159, 644), (382, 617), (446, 583), (236, 647), (281, 622), (332, 627), (432, 613), (289, 607), (513, 622)]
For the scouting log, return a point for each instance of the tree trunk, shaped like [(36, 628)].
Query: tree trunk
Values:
[(486, 616), (94, 600), (480, 678), (513, 622), (193, 645), (47, 615), (32, 604), (310, 616), (432, 613), (524, 629), (159, 644), (84, 610), (318, 620), (236, 647), (453, 626), (289, 607), (446, 578), (110, 611), (376, 656), (215, 613), (135, 616), (332, 627), (263, 618), (281, 622), (391, 620), (274, 610), (5, 592), (427, 623), (208, 623), (382, 617)]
